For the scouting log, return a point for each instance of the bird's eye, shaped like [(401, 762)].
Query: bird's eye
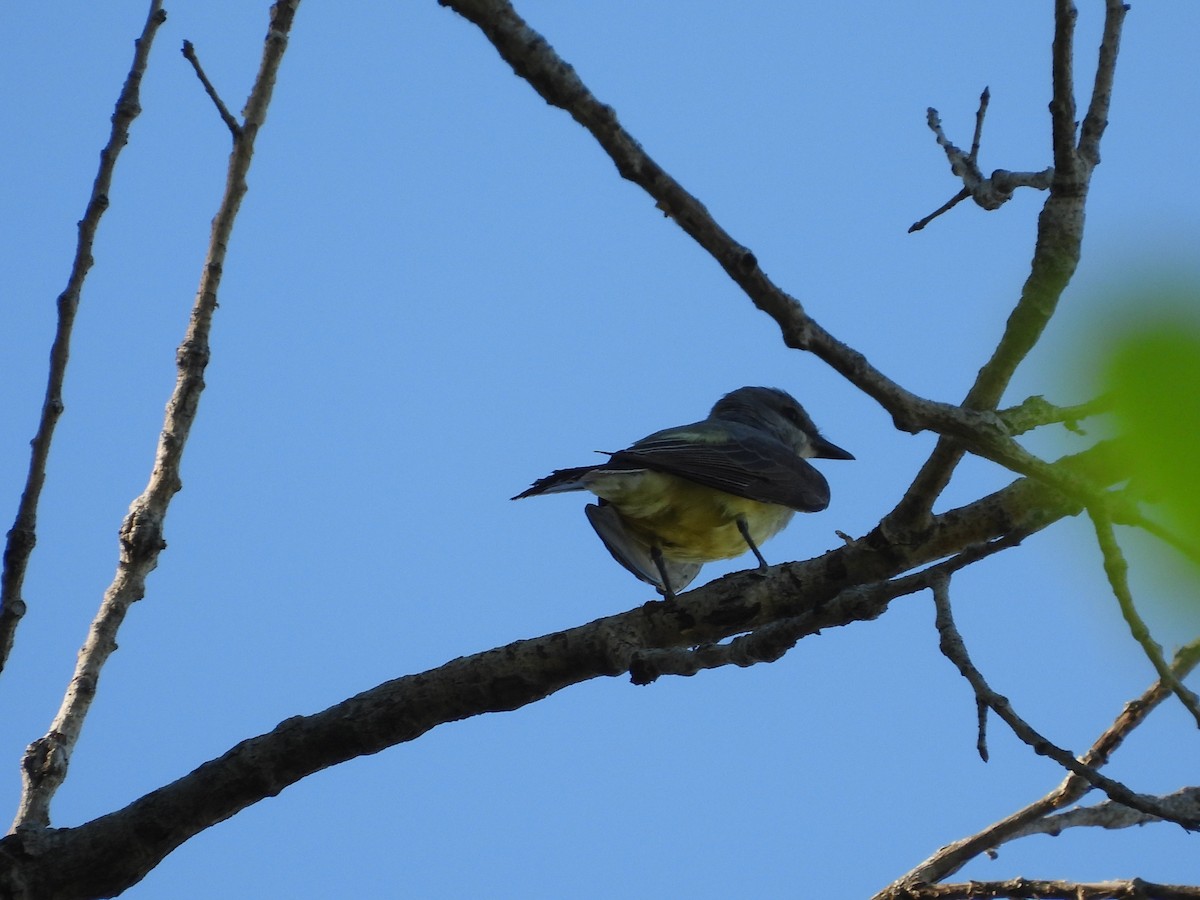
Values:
[(791, 414)]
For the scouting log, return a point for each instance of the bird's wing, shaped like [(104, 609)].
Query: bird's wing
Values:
[(633, 554), (732, 458)]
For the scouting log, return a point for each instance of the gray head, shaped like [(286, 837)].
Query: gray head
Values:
[(777, 413)]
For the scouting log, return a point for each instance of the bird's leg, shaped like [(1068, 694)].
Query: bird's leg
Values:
[(656, 555), (745, 532)]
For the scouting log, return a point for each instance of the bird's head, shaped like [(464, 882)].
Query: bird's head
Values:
[(777, 413)]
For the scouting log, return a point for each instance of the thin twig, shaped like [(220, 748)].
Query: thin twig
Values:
[(1056, 255), (1111, 816), (23, 535), (1034, 412), (1128, 515), (45, 765), (1096, 119), (944, 208), (981, 718), (952, 646), (984, 98), (1117, 571), (954, 856), (990, 192), (189, 53)]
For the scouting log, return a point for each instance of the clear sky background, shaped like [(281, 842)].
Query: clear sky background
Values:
[(438, 290)]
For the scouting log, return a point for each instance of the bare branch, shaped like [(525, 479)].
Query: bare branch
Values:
[(1128, 514), (1062, 103), (555, 80), (1034, 412), (124, 845), (953, 857), (1096, 119), (1056, 254), (23, 535), (1019, 888), (944, 208), (1117, 571), (952, 646), (770, 642), (1109, 815), (991, 192), (984, 99), (45, 765), (533, 59), (974, 428), (189, 53)]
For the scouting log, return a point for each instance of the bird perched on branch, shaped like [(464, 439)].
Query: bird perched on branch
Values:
[(711, 490)]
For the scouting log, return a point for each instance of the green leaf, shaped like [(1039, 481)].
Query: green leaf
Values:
[(1153, 373)]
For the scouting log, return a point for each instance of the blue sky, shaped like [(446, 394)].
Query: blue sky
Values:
[(438, 290)]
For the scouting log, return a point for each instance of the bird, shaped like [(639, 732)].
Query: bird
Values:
[(691, 494)]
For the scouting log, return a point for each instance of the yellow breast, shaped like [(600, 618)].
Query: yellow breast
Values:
[(687, 521)]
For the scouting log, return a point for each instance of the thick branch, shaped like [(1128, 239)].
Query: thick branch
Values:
[(772, 641), (45, 765), (1020, 888), (974, 428), (118, 849), (23, 535), (532, 58)]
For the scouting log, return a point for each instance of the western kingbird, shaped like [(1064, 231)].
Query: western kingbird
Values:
[(685, 496)]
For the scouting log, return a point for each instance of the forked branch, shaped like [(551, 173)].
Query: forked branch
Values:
[(1055, 256), (990, 192), (45, 765)]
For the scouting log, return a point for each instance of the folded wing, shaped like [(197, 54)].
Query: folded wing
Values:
[(734, 459)]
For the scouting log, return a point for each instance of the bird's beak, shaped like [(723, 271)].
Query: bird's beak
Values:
[(826, 450)]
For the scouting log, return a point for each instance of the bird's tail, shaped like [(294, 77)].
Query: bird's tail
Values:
[(557, 482)]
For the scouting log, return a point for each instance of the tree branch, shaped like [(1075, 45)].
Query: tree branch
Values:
[(952, 646), (1019, 888), (1117, 571), (1109, 815), (1128, 514), (189, 53), (1034, 412), (23, 535), (991, 192), (1056, 254), (941, 210), (1062, 103), (532, 58), (770, 642), (1096, 119), (45, 764), (953, 857), (975, 428), (118, 849)]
